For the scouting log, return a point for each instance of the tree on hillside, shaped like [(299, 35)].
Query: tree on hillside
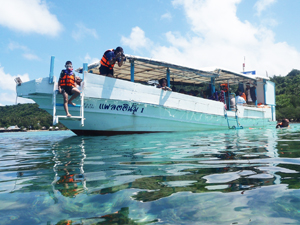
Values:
[(25, 116), (287, 95)]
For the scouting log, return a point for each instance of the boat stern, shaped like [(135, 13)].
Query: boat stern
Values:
[(38, 90), (35, 87)]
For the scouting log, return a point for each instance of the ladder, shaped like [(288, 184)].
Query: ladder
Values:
[(81, 106), (235, 119)]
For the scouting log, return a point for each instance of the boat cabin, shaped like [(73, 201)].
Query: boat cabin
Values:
[(204, 83)]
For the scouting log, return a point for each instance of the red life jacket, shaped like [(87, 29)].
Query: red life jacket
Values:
[(104, 61), (67, 80)]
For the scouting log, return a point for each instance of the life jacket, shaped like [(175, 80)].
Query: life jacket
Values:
[(225, 87), (67, 80), (104, 61), (244, 96), (66, 179)]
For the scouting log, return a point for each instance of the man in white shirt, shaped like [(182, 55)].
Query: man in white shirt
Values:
[(232, 101)]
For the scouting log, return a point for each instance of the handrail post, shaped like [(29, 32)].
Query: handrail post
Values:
[(168, 77), (51, 70), (213, 89), (132, 71), (84, 69)]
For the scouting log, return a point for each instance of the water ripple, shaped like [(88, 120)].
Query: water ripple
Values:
[(229, 177)]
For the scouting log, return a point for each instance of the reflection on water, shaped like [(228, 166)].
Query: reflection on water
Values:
[(232, 177)]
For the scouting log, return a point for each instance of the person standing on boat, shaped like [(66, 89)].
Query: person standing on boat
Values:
[(250, 94), (109, 58), (67, 86)]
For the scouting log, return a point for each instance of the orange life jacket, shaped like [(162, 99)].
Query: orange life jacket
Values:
[(67, 80), (244, 96), (104, 61), (66, 179), (225, 87)]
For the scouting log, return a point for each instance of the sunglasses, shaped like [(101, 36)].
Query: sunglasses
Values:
[(68, 66)]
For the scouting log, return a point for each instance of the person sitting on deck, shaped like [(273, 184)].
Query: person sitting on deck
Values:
[(214, 96), (242, 94), (182, 91), (239, 99), (221, 95), (196, 93), (109, 58), (163, 85), (67, 86), (284, 123), (79, 83)]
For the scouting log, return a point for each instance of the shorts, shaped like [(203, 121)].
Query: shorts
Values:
[(67, 89), (105, 70)]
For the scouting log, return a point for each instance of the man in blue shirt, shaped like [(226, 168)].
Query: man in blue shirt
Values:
[(109, 58), (239, 99)]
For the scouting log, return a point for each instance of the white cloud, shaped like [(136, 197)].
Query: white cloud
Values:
[(14, 45), (7, 81), (29, 16), (7, 98), (261, 5), (27, 55), (136, 40), (10, 98), (82, 31), (30, 56), (219, 38), (8, 88), (167, 16), (87, 57), (90, 60), (24, 100)]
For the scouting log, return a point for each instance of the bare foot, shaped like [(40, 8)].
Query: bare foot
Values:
[(69, 115), (71, 103)]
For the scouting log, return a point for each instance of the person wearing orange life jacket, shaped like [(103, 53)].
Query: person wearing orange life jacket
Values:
[(108, 60), (67, 86)]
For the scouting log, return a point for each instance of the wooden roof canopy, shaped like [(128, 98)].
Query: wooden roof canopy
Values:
[(146, 69)]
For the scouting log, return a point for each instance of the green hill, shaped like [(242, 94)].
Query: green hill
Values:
[(287, 96), (25, 116)]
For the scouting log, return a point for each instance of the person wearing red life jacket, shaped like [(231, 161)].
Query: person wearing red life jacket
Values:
[(108, 60), (67, 86)]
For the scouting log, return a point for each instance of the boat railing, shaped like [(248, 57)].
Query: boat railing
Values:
[(57, 117)]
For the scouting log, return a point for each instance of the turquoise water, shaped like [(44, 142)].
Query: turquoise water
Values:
[(246, 176)]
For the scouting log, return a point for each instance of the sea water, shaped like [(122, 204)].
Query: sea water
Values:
[(248, 176)]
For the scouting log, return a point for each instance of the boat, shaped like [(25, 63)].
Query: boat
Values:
[(129, 103)]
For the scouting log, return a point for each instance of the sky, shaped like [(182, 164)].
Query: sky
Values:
[(196, 33)]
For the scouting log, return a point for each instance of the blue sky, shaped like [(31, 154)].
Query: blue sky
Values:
[(197, 33)]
